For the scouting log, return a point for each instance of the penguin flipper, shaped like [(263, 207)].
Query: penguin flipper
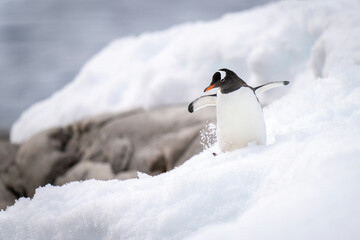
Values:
[(268, 86), (202, 102)]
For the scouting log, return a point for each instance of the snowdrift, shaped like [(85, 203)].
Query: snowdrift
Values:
[(303, 185), (274, 43)]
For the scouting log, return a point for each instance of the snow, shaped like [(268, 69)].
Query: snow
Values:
[(304, 184), (272, 43)]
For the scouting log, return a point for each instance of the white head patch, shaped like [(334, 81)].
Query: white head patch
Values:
[(222, 74)]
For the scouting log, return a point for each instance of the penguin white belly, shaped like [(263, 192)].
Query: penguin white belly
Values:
[(240, 119)]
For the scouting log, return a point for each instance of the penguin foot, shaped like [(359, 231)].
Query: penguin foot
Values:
[(214, 154)]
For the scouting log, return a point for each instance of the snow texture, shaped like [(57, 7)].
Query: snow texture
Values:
[(273, 43), (304, 184), (208, 135)]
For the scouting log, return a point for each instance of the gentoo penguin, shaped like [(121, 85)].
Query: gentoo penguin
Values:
[(239, 114)]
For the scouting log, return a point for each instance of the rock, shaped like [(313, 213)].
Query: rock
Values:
[(86, 170), (7, 153), (10, 177), (192, 149), (6, 197), (159, 137), (119, 153), (162, 155), (126, 175), (13, 180), (109, 146), (43, 158), (4, 135)]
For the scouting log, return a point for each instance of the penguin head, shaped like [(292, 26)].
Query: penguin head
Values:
[(226, 80)]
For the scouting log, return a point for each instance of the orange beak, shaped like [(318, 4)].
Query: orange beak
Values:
[(209, 88)]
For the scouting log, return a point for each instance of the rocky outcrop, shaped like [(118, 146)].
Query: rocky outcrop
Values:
[(7, 159), (86, 170), (113, 146), (6, 197), (42, 159)]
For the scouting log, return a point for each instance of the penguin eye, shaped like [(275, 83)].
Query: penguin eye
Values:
[(222, 80)]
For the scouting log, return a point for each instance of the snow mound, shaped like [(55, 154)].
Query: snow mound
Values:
[(272, 43), (303, 185)]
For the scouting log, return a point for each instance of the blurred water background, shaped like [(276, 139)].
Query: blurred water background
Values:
[(43, 43)]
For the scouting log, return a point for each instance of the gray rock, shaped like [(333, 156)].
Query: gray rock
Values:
[(13, 180), (86, 170), (6, 197), (10, 176), (7, 154), (4, 135), (42, 158), (119, 153), (109, 146), (159, 137), (126, 175)]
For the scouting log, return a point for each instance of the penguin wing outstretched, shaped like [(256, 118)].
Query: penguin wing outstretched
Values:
[(202, 102), (268, 86)]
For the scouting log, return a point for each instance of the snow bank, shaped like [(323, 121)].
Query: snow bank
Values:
[(303, 185), (173, 66)]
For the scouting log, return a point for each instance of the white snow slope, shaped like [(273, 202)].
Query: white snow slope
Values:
[(271, 43), (305, 184)]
